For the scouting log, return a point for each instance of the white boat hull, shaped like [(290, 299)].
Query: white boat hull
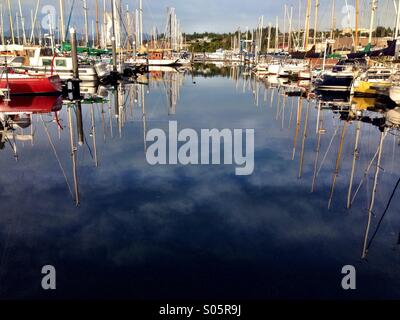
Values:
[(85, 74), (394, 93), (157, 62)]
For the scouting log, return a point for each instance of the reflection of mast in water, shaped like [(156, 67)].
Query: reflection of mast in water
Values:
[(73, 156), (110, 120), (291, 113), (283, 108), (304, 141), (278, 105), (172, 88), (103, 125), (337, 165), (256, 92), (143, 117), (299, 111), (14, 146), (320, 131), (93, 134), (353, 166), (372, 203), (131, 100), (272, 97), (118, 105), (265, 95), (56, 155)]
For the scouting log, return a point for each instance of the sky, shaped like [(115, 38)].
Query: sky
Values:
[(218, 15)]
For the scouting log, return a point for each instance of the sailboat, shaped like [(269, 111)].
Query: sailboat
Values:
[(341, 77), (157, 57), (23, 84), (374, 79)]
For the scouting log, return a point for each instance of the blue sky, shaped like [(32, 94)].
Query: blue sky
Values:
[(220, 15)]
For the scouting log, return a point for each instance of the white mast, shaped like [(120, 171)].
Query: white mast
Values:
[(269, 37), (86, 23), (34, 21), (22, 22), (299, 25), (261, 32), (93, 37), (316, 21), (18, 34), (307, 25), (140, 23), (137, 43), (2, 25), (11, 21), (277, 34), (284, 28), (62, 20), (104, 27), (333, 20), (290, 28), (397, 20), (374, 6)]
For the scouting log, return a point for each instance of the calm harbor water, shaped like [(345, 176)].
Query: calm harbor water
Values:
[(173, 231)]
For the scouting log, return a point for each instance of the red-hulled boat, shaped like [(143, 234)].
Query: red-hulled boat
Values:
[(22, 84)]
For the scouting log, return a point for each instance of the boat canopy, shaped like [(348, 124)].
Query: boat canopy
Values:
[(90, 51)]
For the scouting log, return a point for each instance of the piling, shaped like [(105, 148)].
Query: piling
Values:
[(75, 70)]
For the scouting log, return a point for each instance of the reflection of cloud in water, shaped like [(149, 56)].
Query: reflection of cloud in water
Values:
[(172, 223)]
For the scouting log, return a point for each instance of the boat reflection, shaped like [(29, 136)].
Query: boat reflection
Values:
[(351, 117), (31, 104), (349, 114)]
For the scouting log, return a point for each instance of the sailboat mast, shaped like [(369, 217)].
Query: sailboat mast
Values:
[(62, 20), (284, 28), (140, 23), (261, 33), (113, 43), (104, 27), (356, 27), (18, 33), (276, 34), (34, 22), (374, 6), (307, 25), (316, 21), (299, 27), (97, 25), (397, 19), (2, 25), (333, 20), (22, 22), (86, 23), (11, 21), (290, 28), (269, 37)]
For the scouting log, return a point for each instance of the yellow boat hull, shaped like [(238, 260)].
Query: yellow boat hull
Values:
[(367, 89)]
